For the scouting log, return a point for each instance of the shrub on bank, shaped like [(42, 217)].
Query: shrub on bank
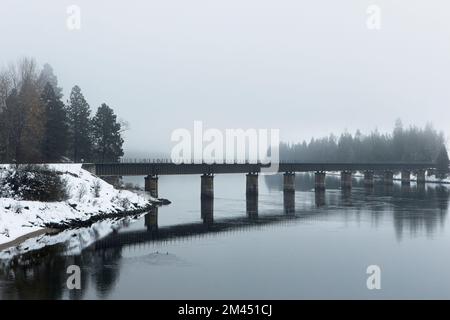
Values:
[(32, 183)]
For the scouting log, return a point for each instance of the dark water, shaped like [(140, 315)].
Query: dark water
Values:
[(316, 245)]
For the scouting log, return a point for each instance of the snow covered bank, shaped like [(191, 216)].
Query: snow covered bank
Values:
[(73, 240), (398, 177), (87, 196)]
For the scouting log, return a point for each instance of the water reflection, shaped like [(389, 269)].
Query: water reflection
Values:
[(151, 219), (413, 210), (105, 269), (346, 197), (415, 207), (368, 189), (207, 210), (289, 202), (388, 190), (405, 188), (252, 206), (42, 275), (320, 198)]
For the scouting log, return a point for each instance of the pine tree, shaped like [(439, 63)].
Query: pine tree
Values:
[(33, 130), (54, 145), (47, 76), (442, 162), (107, 137), (14, 124), (78, 112)]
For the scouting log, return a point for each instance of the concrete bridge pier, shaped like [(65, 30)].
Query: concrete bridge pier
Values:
[(388, 178), (289, 192), (151, 185), (346, 179), (207, 210), (320, 181), (252, 206), (406, 177), (421, 176), (289, 182), (252, 195), (368, 179), (252, 184), (207, 186)]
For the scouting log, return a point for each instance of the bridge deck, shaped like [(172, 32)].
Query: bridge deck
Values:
[(145, 168)]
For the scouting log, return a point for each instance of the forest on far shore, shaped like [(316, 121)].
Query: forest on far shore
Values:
[(412, 144), (37, 126)]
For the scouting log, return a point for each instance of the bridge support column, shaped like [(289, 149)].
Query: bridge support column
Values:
[(320, 181), (388, 178), (346, 179), (151, 185), (368, 179), (421, 177), (207, 210), (252, 184), (289, 192), (252, 195), (406, 177), (289, 182), (207, 187)]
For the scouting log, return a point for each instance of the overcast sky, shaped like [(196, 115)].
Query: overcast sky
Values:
[(308, 68)]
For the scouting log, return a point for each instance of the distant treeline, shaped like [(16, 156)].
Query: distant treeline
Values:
[(411, 144), (37, 126)]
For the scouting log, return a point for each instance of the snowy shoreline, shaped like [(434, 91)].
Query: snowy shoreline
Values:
[(397, 177), (90, 199)]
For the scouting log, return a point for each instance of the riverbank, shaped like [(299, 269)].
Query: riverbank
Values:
[(27, 236), (398, 177), (89, 199)]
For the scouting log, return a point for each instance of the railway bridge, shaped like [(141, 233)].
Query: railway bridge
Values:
[(151, 169)]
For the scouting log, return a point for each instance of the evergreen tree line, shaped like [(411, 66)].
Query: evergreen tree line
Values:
[(37, 126), (411, 144)]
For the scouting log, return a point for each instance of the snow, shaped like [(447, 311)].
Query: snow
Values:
[(398, 177), (75, 240), (428, 179), (18, 217)]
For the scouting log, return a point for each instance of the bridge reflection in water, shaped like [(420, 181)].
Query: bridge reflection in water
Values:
[(400, 197), (154, 233)]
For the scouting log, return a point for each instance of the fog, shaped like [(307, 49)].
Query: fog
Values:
[(308, 68)]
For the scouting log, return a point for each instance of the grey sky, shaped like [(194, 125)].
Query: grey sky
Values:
[(308, 68)]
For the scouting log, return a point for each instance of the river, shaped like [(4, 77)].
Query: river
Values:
[(316, 245)]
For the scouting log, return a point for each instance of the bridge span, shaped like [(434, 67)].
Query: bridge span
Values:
[(151, 169)]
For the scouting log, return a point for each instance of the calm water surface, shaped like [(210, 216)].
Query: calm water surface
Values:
[(313, 246)]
